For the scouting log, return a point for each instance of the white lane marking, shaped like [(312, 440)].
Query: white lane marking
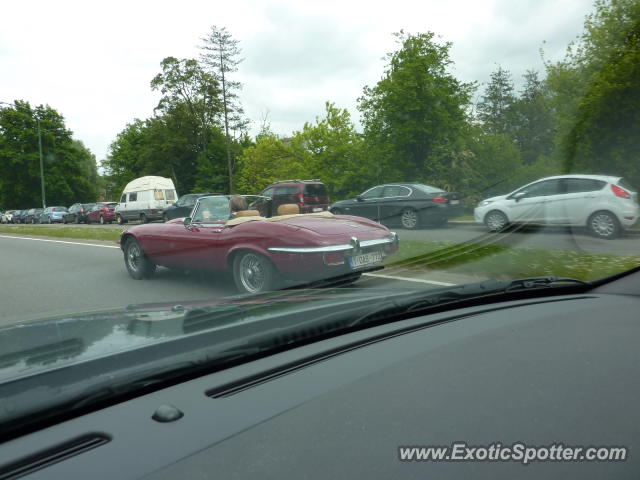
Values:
[(406, 279), (60, 241)]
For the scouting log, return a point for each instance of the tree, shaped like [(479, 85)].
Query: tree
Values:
[(70, 170), (414, 110), (597, 93), (221, 53), (336, 153), (269, 160), (533, 124), (495, 106)]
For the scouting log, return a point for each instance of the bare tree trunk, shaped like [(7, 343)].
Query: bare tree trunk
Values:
[(226, 123)]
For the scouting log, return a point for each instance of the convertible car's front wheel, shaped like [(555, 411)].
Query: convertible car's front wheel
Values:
[(138, 265), (254, 273)]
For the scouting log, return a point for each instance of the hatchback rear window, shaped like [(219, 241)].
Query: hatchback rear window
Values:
[(315, 190)]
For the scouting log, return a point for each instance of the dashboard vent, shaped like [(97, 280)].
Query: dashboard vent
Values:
[(51, 456)]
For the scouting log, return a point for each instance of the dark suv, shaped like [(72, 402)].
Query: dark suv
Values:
[(310, 195)]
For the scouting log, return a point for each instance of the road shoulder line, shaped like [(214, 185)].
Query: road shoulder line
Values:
[(59, 241)]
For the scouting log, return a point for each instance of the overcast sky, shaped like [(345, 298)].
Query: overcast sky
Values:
[(93, 61)]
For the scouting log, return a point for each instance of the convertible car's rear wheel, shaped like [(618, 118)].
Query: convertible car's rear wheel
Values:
[(137, 263), (254, 273)]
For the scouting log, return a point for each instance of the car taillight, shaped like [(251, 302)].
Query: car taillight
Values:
[(301, 199), (82, 210), (620, 192), (333, 258), (439, 200)]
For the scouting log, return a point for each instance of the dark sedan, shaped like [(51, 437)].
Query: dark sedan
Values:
[(77, 212), (33, 215), (182, 208), (410, 205), (18, 216)]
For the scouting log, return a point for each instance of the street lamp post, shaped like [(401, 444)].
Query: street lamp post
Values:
[(44, 202)]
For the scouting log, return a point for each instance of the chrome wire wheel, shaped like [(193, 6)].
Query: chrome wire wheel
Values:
[(603, 225), (253, 274), (495, 221), (409, 219), (137, 263), (134, 256)]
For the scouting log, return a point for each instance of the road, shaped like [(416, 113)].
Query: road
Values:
[(52, 277), (542, 238), (42, 277)]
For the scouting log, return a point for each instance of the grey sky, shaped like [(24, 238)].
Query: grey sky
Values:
[(93, 61)]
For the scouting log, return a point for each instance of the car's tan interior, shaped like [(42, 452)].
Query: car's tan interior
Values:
[(288, 209), (248, 213), (238, 220)]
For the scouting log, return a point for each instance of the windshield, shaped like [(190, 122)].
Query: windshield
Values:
[(399, 148)]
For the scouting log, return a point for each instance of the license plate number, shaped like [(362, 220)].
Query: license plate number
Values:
[(317, 209), (455, 202), (365, 259)]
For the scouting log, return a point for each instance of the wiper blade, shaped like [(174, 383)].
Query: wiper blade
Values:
[(424, 301)]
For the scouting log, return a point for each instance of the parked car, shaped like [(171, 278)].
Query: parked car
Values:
[(19, 216), (259, 252), (145, 199), (103, 212), (409, 205), (309, 195), (605, 205), (7, 216), (182, 208), (33, 215), (52, 215), (77, 212)]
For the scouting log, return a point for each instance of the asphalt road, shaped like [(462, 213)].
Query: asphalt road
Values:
[(552, 238), (40, 278)]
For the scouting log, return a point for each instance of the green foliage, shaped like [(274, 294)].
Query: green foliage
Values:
[(70, 170), (496, 105), (416, 108), (599, 84)]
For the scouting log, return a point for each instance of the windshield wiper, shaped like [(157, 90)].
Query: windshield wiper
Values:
[(424, 301)]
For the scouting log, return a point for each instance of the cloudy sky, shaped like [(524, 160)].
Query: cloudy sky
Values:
[(93, 61)]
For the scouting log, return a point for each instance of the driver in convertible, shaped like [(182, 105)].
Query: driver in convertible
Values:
[(237, 203)]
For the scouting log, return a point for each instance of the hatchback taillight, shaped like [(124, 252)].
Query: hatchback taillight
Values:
[(620, 192), (439, 200)]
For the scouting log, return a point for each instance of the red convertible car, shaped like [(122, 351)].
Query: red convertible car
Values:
[(261, 252)]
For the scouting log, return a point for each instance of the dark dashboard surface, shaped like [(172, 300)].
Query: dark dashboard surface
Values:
[(564, 370)]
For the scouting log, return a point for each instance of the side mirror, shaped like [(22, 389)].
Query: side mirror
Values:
[(187, 222), (359, 198), (519, 196)]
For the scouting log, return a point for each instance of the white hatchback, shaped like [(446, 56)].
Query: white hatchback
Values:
[(604, 205)]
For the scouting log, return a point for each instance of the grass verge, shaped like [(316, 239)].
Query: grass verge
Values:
[(84, 233), (504, 262)]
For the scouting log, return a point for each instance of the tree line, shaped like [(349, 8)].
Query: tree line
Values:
[(418, 123)]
